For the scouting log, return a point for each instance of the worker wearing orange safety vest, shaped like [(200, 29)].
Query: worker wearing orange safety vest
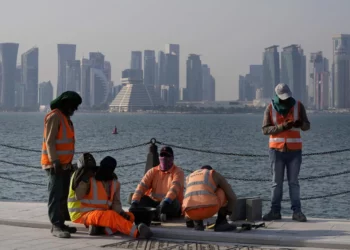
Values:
[(283, 120), (94, 200), (56, 158), (162, 187), (208, 193)]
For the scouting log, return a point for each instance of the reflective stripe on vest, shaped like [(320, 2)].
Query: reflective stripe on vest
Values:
[(275, 138), (205, 182), (77, 206), (203, 192)]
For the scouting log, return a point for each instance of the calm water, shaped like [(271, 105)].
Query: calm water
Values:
[(227, 133)]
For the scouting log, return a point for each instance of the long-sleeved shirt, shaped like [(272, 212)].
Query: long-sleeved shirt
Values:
[(52, 126), (161, 184), (84, 188), (226, 187), (269, 128)]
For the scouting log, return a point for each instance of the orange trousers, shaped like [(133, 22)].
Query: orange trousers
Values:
[(202, 213), (111, 220)]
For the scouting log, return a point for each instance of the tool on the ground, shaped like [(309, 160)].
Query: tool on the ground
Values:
[(247, 226)]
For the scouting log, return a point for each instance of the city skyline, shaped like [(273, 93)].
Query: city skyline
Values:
[(228, 41)]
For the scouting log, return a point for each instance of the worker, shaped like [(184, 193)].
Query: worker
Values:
[(208, 193), (162, 187), (56, 158), (94, 200), (283, 120)]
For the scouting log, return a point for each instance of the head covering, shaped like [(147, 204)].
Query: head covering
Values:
[(207, 167), (86, 160), (167, 151), (68, 95), (282, 91), (106, 170)]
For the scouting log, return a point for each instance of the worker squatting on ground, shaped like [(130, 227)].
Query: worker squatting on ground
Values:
[(208, 193), (56, 158), (162, 187), (94, 200), (283, 120)]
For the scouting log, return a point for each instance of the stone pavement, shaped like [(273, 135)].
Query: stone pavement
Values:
[(21, 218)]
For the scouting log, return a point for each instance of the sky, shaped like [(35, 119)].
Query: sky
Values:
[(228, 34)]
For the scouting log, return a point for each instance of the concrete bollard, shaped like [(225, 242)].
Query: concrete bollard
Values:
[(239, 212), (254, 209), (152, 156)]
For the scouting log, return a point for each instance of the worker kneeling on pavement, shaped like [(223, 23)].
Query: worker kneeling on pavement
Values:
[(208, 193), (162, 187), (94, 200)]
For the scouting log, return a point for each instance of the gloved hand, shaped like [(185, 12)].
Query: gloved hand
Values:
[(125, 215), (287, 125), (57, 167), (134, 205), (164, 204), (297, 124)]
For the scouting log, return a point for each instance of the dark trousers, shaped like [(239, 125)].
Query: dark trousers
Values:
[(172, 211), (58, 188)]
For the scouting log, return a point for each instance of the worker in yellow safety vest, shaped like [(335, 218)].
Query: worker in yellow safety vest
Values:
[(94, 200), (56, 158), (284, 118), (208, 193)]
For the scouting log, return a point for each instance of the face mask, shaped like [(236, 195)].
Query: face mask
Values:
[(166, 163)]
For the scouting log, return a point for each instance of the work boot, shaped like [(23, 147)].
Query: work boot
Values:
[(69, 229), (189, 223), (144, 231), (272, 216), (96, 230), (299, 216), (198, 225), (59, 232), (224, 226)]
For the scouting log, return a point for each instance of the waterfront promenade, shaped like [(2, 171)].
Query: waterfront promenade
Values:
[(26, 226)]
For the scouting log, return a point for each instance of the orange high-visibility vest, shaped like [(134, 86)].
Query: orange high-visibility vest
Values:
[(200, 190), (64, 141), (290, 137), (97, 199)]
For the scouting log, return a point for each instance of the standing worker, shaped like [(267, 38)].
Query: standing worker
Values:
[(208, 193), (56, 158), (283, 120)]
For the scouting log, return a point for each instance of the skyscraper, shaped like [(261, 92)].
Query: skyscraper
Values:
[(30, 77), (19, 88), (149, 70), (172, 67), (108, 70), (99, 88), (136, 60), (212, 86), (161, 69), (341, 71), (73, 76), (8, 61), (271, 70), (45, 93), (97, 60), (206, 82), (85, 82), (194, 78), (319, 81), (293, 70), (66, 52)]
